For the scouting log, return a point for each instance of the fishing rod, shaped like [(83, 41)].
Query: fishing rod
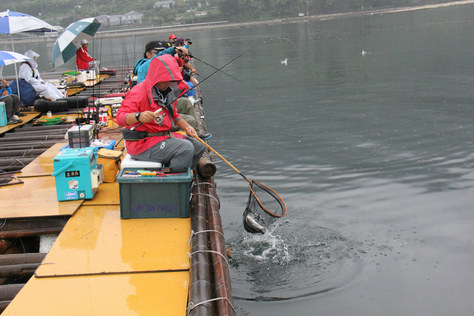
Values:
[(212, 74), (226, 73)]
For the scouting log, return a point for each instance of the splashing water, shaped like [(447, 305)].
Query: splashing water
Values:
[(304, 261), (266, 248)]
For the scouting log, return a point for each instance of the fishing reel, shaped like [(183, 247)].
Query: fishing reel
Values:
[(159, 119)]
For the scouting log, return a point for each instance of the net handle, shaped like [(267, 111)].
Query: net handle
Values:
[(225, 160)]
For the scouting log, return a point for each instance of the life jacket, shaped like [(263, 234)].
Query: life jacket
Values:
[(32, 70)]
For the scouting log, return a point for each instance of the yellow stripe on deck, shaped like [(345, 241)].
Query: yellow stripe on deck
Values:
[(35, 197), (93, 82), (161, 294), (96, 241)]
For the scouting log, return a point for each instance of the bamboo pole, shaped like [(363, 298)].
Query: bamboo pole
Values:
[(21, 258), (220, 265), (201, 287), (23, 227)]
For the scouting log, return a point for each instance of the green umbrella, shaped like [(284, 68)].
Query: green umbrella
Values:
[(69, 41)]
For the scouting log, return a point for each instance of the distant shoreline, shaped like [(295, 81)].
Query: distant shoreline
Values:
[(225, 24), (318, 17)]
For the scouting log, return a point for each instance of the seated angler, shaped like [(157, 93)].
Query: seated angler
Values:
[(12, 103), (142, 69), (30, 73), (154, 140), (183, 58), (151, 49)]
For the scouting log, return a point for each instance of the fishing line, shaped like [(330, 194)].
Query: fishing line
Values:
[(212, 74), (226, 73), (264, 205)]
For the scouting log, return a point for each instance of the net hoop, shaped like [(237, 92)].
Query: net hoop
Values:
[(260, 203)]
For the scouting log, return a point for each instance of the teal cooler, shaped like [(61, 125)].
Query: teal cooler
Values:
[(75, 173), (154, 196), (3, 114)]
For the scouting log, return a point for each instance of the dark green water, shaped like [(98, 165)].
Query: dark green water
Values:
[(373, 154)]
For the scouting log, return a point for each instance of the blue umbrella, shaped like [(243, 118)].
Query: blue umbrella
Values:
[(16, 22), (12, 22), (8, 58)]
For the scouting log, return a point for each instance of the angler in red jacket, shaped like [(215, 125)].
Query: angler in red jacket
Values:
[(153, 104), (82, 56)]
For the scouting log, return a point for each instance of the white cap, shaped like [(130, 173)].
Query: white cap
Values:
[(84, 41), (30, 53)]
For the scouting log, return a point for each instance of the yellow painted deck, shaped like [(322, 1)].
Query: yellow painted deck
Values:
[(93, 82), (43, 164), (28, 117), (160, 294), (96, 241), (36, 196), (99, 264)]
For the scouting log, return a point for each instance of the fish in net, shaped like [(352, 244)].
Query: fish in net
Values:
[(264, 206)]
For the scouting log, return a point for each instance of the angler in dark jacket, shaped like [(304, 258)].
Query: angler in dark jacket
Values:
[(159, 92)]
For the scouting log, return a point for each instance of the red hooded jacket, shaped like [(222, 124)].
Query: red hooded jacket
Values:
[(83, 58), (140, 99)]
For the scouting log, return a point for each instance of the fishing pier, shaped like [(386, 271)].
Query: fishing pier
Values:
[(79, 257)]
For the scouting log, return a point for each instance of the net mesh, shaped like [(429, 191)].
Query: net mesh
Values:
[(264, 206)]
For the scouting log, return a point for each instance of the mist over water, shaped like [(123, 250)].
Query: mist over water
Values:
[(366, 132)]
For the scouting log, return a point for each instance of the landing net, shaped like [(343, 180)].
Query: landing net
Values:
[(264, 206)]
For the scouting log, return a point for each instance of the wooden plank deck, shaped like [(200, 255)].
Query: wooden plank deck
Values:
[(96, 241), (28, 117), (35, 197), (43, 164), (163, 293), (99, 264)]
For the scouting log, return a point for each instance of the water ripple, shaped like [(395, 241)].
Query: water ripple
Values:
[(288, 262)]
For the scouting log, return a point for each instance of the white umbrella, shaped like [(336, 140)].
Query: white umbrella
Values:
[(69, 41), (8, 58), (12, 22)]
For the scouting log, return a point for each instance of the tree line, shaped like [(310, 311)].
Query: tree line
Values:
[(63, 12)]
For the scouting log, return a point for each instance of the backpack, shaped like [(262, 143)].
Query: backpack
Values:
[(27, 92)]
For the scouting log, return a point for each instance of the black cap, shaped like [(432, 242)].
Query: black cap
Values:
[(188, 40)]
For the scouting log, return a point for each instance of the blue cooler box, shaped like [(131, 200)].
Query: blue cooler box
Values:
[(74, 173), (3, 114), (165, 195)]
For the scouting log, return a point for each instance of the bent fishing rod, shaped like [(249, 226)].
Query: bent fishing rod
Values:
[(212, 74)]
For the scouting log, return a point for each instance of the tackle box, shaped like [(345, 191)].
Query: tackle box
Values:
[(76, 173), (3, 114), (80, 136), (154, 192)]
